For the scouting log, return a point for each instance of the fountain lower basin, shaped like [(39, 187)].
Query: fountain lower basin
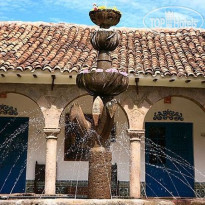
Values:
[(64, 200)]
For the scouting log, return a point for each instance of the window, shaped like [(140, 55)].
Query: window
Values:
[(157, 145)]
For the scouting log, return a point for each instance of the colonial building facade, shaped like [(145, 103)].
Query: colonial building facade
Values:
[(159, 135)]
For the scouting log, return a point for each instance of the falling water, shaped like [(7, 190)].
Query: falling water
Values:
[(123, 148)]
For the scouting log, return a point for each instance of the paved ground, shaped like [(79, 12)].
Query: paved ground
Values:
[(63, 201)]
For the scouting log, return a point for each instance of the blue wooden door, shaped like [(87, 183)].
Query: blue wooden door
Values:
[(169, 160), (13, 154)]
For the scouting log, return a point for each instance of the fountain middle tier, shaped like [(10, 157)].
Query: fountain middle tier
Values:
[(106, 40), (103, 83)]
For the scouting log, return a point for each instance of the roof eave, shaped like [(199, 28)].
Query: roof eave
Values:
[(66, 78)]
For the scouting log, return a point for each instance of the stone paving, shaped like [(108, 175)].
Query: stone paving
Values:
[(62, 201)]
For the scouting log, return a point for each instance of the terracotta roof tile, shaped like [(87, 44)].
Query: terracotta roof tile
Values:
[(67, 48)]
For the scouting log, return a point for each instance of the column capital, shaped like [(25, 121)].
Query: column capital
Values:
[(51, 132), (135, 135)]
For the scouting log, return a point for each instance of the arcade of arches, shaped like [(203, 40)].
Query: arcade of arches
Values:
[(46, 112)]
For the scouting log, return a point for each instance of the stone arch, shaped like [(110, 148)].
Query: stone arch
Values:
[(125, 113), (26, 96), (28, 93), (138, 104), (83, 165), (66, 105), (28, 107), (194, 116), (21, 93), (86, 94), (197, 103), (187, 97)]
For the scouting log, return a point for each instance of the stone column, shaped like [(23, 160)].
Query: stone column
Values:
[(51, 152), (135, 162), (99, 178)]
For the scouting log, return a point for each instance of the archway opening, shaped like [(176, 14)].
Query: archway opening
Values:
[(22, 142), (71, 157), (174, 148)]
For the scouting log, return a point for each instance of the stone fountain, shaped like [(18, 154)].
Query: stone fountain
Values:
[(103, 85)]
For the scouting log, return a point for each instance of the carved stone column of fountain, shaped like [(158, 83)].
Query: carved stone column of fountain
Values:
[(99, 173), (103, 85)]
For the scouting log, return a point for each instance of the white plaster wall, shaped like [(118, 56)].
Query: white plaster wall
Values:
[(36, 139), (68, 170), (191, 113)]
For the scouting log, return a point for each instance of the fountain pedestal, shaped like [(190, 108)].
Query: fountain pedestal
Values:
[(103, 84), (99, 173)]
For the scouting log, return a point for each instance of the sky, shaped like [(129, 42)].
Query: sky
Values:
[(135, 13)]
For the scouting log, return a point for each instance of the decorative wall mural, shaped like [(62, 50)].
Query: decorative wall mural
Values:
[(8, 110), (168, 115)]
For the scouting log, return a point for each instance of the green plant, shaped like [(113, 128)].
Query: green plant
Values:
[(104, 8)]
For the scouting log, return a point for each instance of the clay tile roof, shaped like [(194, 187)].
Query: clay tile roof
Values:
[(67, 48)]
